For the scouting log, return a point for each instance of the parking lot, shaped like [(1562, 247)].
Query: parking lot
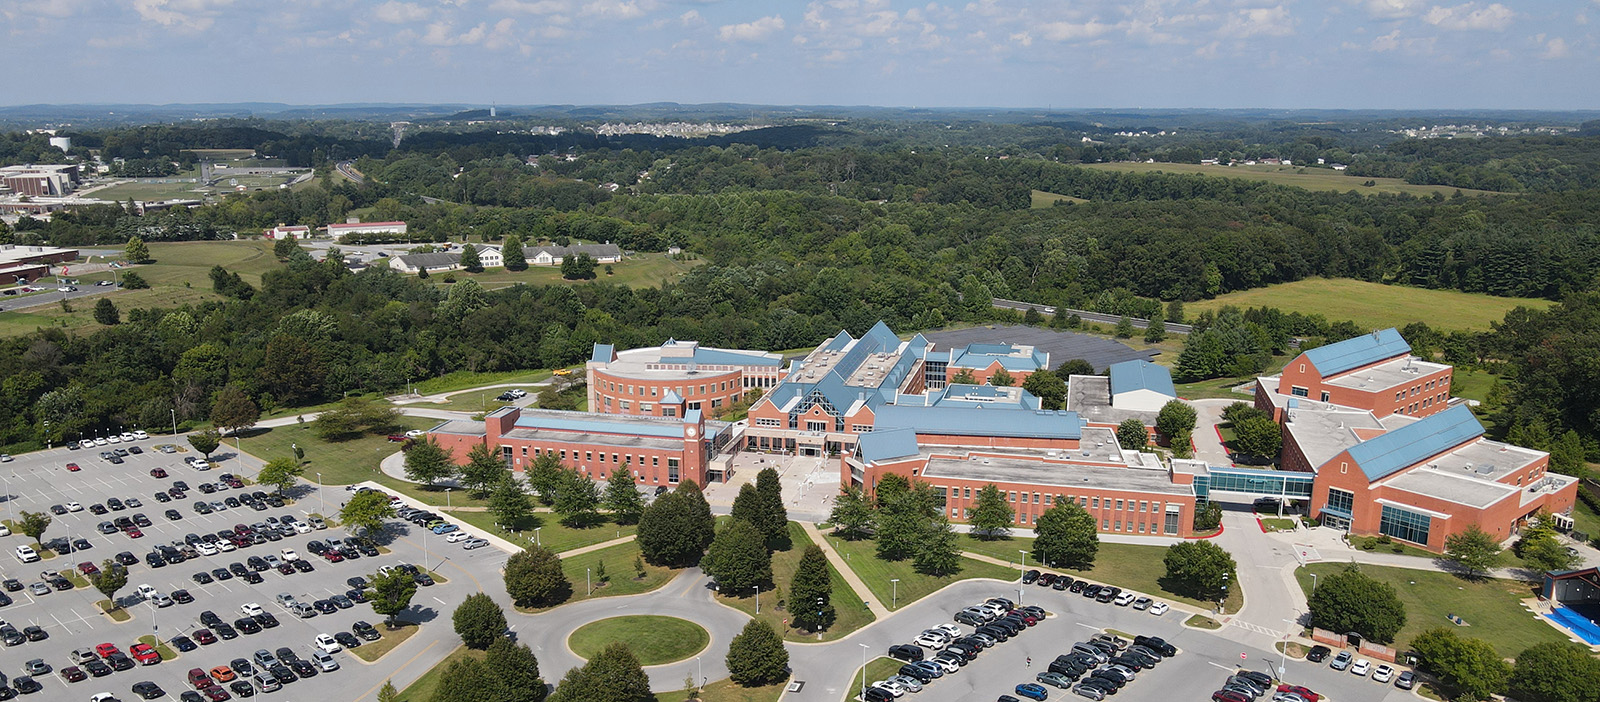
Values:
[(37, 481), (1204, 660)]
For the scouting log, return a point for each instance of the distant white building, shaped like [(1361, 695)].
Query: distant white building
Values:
[(340, 231), (554, 255), (286, 231)]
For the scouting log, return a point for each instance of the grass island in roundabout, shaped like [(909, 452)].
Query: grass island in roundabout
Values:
[(654, 639)]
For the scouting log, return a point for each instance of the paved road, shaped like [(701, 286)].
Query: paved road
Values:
[(53, 297), (1207, 446), (1085, 315)]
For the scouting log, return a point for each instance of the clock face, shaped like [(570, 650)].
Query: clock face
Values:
[(691, 432)]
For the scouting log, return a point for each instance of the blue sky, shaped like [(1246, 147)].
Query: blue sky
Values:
[(1540, 54)]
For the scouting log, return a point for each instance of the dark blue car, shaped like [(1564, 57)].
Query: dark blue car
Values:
[(1032, 691)]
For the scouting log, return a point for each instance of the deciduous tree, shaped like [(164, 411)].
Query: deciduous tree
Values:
[(544, 477), (1468, 665), (280, 473), (577, 499), (33, 524), (511, 254), (622, 496), (366, 510), (992, 516), (852, 515), (427, 462), (1067, 537), (613, 675), (390, 594), (1002, 379), (136, 251), (479, 621), (1048, 387), (482, 471), (1556, 671), (1175, 418), (937, 552), (111, 578), (1350, 600), (1258, 436), (738, 559), (1200, 569), (233, 410), (1132, 435), (205, 441), (756, 657), (470, 259), (509, 502), (1473, 550), (515, 671), (534, 578)]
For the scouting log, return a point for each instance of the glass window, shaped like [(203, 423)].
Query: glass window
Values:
[(1105, 524), (1404, 524), (1097, 503), (1340, 501), (1144, 506), (1119, 504), (1299, 392), (672, 470)]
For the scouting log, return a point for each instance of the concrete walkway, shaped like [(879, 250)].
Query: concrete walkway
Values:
[(856, 584), (439, 398), (1207, 444)]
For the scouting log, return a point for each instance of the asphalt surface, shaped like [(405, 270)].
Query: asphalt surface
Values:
[(36, 481), (53, 297), (1062, 346)]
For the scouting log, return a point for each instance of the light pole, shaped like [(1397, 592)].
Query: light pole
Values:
[(48, 442), (757, 588), (447, 498), (536, 540), (320, 506), (1313, 584), (174, 412), (699, 672), (1021, 568), (894, 593), (1283, 653), (588, 585), (863, 670)]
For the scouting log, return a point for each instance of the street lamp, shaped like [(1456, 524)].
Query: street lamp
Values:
[(320, 506), (863, 670), (48, 442), (757, 588), (1023, 564), (894, 593), (447, 498), (588, 585), (1313, 584), (536, 540), (174, 412), (1283, 653)]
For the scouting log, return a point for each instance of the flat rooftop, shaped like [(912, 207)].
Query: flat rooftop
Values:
[(1039, 470), (874, 369), (1061, 345), (1281, 401), (1090, 397), (1463, 489), (1485, 459), (1322, 434), (460, 426), (613, 440), (655, 363), (1384, 376)]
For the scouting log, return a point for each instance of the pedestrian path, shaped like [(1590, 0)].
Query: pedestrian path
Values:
[(860, 588)]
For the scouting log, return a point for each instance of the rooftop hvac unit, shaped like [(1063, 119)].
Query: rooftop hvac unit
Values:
[(1485, 469), (1467, 467)]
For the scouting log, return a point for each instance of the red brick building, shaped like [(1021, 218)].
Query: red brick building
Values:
[(676, 377), (1373, 372)]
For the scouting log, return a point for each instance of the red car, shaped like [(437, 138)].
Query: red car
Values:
[(216, 694), (1301, 691), (134, 533), (158, 472), (204, 636), (73, 468), (106, 649), (145, 654), (1228, 696), (333, 556), (199, 679), (88, 568)]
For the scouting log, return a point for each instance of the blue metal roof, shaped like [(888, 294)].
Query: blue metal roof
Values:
[(1409, 445), (980, 356), (596, 424), (1129, 376), (885, 444), (603, 353), (723, 357), (981, 421), (1357, 352)]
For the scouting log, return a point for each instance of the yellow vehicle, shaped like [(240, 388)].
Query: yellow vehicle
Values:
[(563, 372)]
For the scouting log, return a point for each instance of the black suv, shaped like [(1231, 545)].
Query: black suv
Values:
[(1157, 644), (906, 652)]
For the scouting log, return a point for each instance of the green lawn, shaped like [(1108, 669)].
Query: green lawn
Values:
[(340, 463), (552, 534), (1491, 607), (727, 691), (1585, 520), (81, 318), (1040, 199), (861, 557), (639, 271), (1472, 384), (464, 380), (879, 668), (422, 689), (371, 651), (1128, 566), (654, 639), (1374, 305), (1296, 176), (619, 567), (850, 612)]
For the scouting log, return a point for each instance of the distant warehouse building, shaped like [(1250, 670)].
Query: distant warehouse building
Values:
[(53, 180), (21, 264), (340, 231)]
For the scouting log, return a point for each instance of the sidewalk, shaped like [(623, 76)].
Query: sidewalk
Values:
[(871, 600)]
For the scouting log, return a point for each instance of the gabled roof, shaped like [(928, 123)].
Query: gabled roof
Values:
[(631, 425), (1357, 351), (672, 398), (431, 260), (886, 444), (604, 353), (1129, 376), (981, 421), (725, 357), (1409, 445)]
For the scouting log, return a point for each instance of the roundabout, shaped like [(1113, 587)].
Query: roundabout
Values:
[(655, 639)]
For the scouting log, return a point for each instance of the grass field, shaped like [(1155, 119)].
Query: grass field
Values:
[(619, 566), (552, 534), (879, 668), (341, 463), (1042, 199), (1297, 176), (1374, 305), (654, 639), (861, 557), (422, 689), (639, 271), (1128, 566), (463, 380), (727, 691), (1472, 384), (850, 612), (1491, 607)]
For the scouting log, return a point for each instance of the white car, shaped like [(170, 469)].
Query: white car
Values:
[(140, 434), (455, 536), (226, 546), (251, 609), (74, 507), (951, 629), (100, 441), (145, 592), (890, 687), (5, 530), (288, 554), (1383, 674), (205, 549), (127, 436), (949, 666), (113, 439), (1124, 599), (936, 643), (414, 433), (26, 554), (326, 644), (1159, 608), (1361, 668), (302, 528)]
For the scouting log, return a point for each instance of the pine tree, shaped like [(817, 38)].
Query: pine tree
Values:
[(756, 657), (511, 253), (106, 312), (136, 251), (992, 516), (811, 591), (622, 497), (775, 518), (738, 559), (1124, 328), (470, 259)]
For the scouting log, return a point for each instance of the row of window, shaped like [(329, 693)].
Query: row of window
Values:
[(1414, 407), (1085, 501), (1415, 390), (619, 460), (715, 387), (1143, 526)]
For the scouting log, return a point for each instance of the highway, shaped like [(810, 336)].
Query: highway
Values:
[(1085, 315), (348, 170)]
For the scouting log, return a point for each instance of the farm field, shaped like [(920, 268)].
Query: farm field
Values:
[(1296, 176), (1374, 305), (1041, 199)]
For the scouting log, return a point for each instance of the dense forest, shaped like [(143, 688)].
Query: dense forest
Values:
[(798, 241)]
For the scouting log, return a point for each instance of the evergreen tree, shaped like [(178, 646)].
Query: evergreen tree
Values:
[(992, 516), (511, 253), (544, 477), (675, 530), (470, 261), (136, 251), (1132, 435), (577, 499), (1067, 537), (811, 591), (738, 559), (534, 578), (613, 675), (479, 621), (106, 312), (509, 502), (1156, 332), (1124, 328), (852, 515), (937, 550), (622, 497), (756, 657), (775, 517), (515, 671)]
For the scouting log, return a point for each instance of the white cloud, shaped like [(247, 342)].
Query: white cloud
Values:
[(751, 31), (1469, 16), (1387, 42), (530, 7), (444, 34), (395, 12), (618, 9), (181, 14), (691, 18), (1259, 21), (1073, 31), (1555, 48), (1023, 38), (1394, 9)]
